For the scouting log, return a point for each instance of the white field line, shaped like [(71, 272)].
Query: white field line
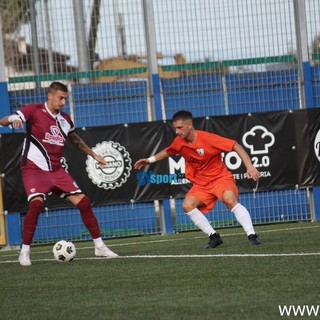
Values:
[(178, 256), (170, 256)]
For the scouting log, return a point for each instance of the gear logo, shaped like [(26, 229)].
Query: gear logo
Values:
[(118, 167)]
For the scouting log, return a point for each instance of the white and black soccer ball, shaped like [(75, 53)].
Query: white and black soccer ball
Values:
[(64, 251)]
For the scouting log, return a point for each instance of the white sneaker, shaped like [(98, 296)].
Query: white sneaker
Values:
[(104, 251), (24, 258)]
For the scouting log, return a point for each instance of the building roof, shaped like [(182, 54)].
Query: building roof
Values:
[(19, 55)]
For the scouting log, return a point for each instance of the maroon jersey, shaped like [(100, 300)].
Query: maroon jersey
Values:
[(46, 135)]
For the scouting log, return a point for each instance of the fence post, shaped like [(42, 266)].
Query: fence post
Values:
[(305, 83), (4, 110), (155, 99), (4, 93)]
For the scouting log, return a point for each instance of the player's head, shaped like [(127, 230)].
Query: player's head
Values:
[(57, 96), (57, 86), (182, 115), (183, 124)]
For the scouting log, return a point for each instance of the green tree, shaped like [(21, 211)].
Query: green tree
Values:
[(14, 13), (316, 49)]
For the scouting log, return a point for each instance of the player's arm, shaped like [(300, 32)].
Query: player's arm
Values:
[(251, 170), (157, 157), (80, 144), (14, 120)]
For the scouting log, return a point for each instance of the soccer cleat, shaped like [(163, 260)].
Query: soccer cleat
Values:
[(254, 239), (214, 241), (104, 251), (24, 258)]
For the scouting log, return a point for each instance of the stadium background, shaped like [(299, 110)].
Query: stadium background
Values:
[(140, 61)]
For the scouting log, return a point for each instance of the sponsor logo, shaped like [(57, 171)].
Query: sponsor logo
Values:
[(149, 177), (258, 140), (118, 167), (317, 145), (176, 175), (200, 152), (54, 137)]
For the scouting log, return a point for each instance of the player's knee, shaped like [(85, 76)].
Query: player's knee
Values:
[(229, 198), (187, 206), (36, 205), (84, 203)]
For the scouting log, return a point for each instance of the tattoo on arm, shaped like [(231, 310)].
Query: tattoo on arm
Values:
[(79, 143)]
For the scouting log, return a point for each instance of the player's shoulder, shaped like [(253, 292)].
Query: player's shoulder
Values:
[(35, 106), (178, 142), (32, 108), (204, 134), (209, 136), (65, 115)]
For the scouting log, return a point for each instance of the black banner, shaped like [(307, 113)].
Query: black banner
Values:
[(284, 146)]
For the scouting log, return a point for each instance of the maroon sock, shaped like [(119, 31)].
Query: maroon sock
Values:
[(31, 220), (88, 217)]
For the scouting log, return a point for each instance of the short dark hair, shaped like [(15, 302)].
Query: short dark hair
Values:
[(182, 115), (57, 86)]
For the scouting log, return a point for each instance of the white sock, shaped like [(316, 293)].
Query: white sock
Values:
[(201, 221), (25, 247), (243, 217), (98, 242)]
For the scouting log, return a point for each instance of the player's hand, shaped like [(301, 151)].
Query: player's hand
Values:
[(16, 124), (253, 173), (100, 160), (14, 121), (141, 163)]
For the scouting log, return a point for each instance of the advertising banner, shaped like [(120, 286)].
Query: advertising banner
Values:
[(284, 146)]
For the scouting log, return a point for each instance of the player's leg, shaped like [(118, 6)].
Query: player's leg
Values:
[(82, 202), (230, 198), (36, 185), (29, 228), (31, 220), (190, 206), (68, 189)]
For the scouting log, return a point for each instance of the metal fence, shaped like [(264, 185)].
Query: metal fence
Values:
[(215, 58)]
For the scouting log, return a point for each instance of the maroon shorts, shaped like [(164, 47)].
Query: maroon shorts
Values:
[(38, 182)]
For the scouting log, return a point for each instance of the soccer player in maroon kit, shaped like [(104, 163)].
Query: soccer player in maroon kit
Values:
[(47, 130)]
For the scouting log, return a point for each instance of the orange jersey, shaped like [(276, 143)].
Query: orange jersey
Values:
[(203, 157)]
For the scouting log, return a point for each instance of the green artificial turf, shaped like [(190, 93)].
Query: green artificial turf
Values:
[(169, 277)]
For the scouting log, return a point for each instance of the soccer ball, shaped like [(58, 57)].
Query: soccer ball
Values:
[(64, 251)]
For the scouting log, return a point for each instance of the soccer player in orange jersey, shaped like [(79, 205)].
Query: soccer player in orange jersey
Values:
[(209, 176)]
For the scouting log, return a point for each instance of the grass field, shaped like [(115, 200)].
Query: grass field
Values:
[(169, 277)]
